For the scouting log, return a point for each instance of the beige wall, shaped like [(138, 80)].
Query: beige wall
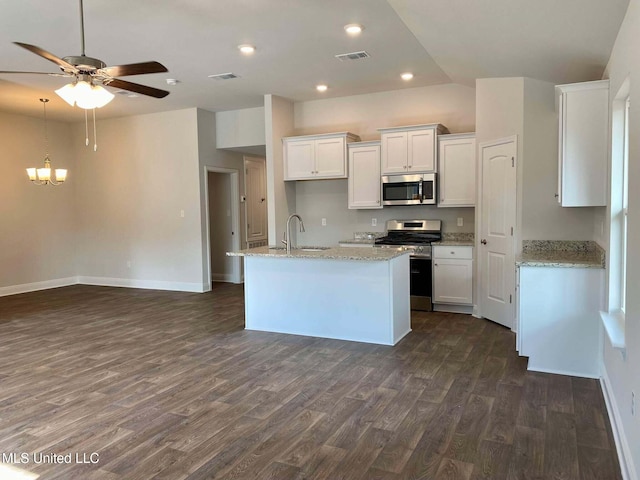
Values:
[(452, 105), (132, 192), (526, 108), (37, 223), (281, 199)]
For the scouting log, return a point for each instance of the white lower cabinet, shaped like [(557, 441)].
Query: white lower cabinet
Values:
[(453, 275), (364, 175), (558, 319)]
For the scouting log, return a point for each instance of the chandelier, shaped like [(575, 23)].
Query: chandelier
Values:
[(42, 176), (83, 93)]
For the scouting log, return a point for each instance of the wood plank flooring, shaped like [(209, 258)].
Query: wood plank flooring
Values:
[(166, 385)]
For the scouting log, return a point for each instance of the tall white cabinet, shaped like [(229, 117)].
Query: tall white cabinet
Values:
[(410, 149), (364, 189), (457, 170), (583, 117)]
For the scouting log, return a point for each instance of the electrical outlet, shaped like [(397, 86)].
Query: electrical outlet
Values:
[(374, 222), (181, 213), (324, 222), (460, 221)]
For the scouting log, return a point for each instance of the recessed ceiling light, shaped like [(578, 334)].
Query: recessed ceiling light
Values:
[(407, 76), (247, 49), (353, 29), (321, 88)]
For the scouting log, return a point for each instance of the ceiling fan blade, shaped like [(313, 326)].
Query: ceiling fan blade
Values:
[(137, 88), (49, 56), (135, 69), (2, 72)]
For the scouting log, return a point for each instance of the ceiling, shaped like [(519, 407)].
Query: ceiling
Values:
[(440, 41)]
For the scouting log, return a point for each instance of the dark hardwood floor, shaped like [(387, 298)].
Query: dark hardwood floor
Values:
[(165, 385)]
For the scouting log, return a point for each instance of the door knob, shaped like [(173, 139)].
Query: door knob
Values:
[(483, 241)]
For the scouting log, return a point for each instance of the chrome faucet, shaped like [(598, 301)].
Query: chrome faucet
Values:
[(287, 234)]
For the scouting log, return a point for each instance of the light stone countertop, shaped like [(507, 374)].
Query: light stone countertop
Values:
[(333, 253), (454, 243), (456, 240), (562, 254)]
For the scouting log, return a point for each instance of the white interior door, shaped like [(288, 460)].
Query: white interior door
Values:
[(256, 201), (498, 219)]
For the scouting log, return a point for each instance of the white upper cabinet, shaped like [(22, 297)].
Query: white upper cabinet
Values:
[(583, 111), (457, 170), (313, 157), (364, 175), (410, 149)]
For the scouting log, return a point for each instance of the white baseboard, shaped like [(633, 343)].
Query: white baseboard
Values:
[(35, 286), (569, 373), (627, 467), (146, 284), (444, 307), (222, 277)]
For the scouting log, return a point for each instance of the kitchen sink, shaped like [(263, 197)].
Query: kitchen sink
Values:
[(312, 249)]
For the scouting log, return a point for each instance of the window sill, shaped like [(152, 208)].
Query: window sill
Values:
[(614, 326)]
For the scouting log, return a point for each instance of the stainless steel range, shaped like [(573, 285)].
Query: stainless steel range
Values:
[(415, 236)]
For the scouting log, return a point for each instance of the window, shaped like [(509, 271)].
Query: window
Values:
[(614, 317), (625, 206)]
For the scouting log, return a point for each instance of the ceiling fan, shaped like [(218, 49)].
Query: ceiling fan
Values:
[(95, 72)]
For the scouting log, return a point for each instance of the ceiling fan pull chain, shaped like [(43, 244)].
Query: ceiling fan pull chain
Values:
[(86, 129), (95, 138)]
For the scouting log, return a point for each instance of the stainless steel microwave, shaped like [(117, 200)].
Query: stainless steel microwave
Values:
[(419, 189)]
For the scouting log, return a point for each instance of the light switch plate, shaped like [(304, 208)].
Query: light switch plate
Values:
[(324, 222)]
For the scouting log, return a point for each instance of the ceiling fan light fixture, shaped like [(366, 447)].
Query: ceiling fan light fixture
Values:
[(85, 95)]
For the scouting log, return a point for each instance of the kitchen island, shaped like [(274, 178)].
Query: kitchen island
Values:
[(346, 293)]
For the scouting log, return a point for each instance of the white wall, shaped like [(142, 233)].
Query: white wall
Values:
[(240, 128), (37, 223), (623, 371)]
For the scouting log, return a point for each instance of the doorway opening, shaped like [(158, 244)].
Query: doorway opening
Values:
[(223, 224)]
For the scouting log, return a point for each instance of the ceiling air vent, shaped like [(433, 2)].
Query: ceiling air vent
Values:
[(224, 76), (343, 57)]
